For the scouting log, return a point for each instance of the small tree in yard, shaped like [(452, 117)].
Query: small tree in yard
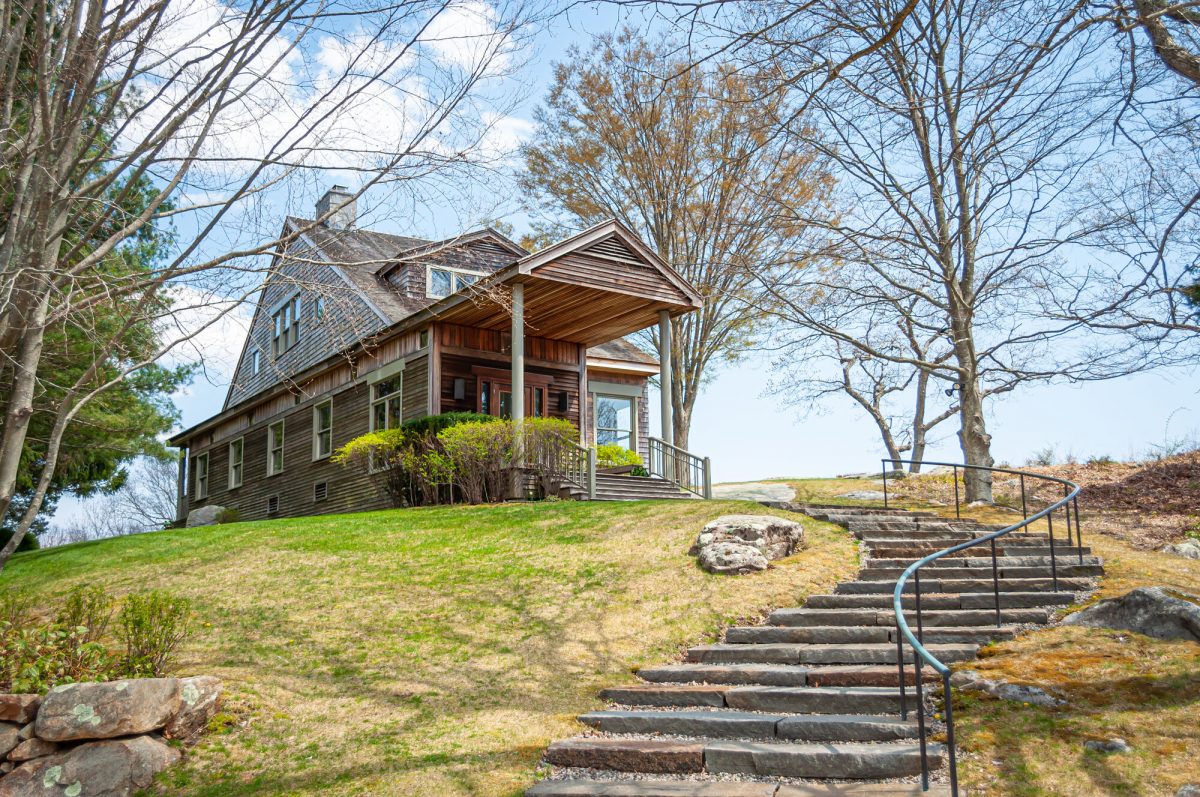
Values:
[(683, 155), (120, 116)]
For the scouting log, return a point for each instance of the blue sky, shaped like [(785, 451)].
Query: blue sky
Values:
[(752, 435)]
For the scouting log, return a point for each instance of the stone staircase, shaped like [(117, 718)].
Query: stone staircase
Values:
[(611, 487), (808, 704)]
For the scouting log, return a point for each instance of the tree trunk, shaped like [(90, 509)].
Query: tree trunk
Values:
[(975, 441), (19, 408)]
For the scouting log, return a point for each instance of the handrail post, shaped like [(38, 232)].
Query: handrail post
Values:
[(900, 666), (591, 474), (708, 478), (921, 723), (1067, 510), (883, 472), (1024, 507), (1053, 558), (950, 734), (920, 626), (996, 583), (957, 514), (1078, 529)]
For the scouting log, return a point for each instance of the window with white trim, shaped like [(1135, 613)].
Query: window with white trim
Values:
[(256, 362), (275, 448), (442, 281), (237, 450), (323, 429), (286, 329), (387, 406), (615, 420), (201, 476)]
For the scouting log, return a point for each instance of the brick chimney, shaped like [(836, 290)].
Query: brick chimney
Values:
[(342, 218)]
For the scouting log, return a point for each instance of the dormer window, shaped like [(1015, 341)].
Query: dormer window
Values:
[(286, 326), (445, 281)]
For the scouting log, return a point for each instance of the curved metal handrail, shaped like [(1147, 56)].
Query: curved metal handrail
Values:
[(920, 652)]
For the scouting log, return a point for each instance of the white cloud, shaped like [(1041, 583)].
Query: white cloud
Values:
[(206, 329)]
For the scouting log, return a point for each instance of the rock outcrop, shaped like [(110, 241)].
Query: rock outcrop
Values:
[(737, 544), (1154, 611)]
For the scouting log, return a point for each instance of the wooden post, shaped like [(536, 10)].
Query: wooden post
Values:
[(518, 385), (665, 374), (584, 423)]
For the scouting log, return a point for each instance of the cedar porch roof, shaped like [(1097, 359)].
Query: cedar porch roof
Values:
[(592, 288)]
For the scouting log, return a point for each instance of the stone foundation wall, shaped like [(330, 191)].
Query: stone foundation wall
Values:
[(107, 739)]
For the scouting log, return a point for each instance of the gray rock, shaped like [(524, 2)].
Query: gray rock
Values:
[(32, 748), (1158, 612), (205, 515), (115, 768), (774, 536), (863, 495), (1108, 746), (19, 708), (26, 732), (10, 735), (1188, 549), (732, 558), (107, 710), (1188, 790), (971, 681), (200, 698)]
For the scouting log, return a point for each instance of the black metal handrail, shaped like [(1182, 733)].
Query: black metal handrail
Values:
[(1069, 501)]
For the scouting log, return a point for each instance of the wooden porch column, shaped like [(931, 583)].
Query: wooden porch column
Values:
[(665, 375), (518, 367)]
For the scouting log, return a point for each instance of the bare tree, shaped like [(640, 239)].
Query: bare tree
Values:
[(215, 112), (680, 154), (957, 145)]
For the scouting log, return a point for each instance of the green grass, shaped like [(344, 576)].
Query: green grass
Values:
[(426, 651)]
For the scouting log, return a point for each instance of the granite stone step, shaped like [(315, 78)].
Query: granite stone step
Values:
[(1063, 561), (628, 755), (848, 761), (958, 585), (806, 617), (717, 788), (739, 674), (943, 601), (733, 724), (767, 634), (871, 572)]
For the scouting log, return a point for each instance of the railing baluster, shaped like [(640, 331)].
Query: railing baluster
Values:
[(920, 626), (1053, 558), (883, 468), (956, 512), (949, 709), (1078, 528), (921, 722), (900, 665), (1024, 508), (996, 583)]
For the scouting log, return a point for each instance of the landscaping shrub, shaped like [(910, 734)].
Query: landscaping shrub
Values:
[(612, 455), (36, 656), (479, 455), (432, 424), (153, 625)]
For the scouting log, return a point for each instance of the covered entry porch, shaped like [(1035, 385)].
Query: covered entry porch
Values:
[(544, 338)]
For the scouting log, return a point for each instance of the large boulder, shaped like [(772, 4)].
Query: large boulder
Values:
[(209, 515), (732, 558), (775, 537), (200, 698), (1188, 549), (114, 768), (107, 710), (1154, 611)]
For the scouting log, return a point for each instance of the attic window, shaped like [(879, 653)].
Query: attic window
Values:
[(286, 326), (445, 281)]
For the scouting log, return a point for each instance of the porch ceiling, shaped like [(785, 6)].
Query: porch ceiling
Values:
[(565, 311), (592, 288)]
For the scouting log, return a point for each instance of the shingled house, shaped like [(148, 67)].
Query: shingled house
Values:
[(358, 330)]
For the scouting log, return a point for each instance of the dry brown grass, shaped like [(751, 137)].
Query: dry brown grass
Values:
[(431, 651)]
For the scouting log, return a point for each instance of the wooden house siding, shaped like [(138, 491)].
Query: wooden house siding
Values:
[(415, 387), (612, 275), (347, 320)]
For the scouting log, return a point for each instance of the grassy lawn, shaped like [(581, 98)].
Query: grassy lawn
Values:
[(427, 651)]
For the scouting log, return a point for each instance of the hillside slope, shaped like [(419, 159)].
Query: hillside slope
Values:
[(427, 651)]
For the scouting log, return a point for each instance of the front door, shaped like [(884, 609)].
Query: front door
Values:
[(495, 398)]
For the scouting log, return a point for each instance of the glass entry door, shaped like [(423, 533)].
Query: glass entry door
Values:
[(495, 398)]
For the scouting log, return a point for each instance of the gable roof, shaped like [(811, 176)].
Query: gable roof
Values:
[(359, 255)]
